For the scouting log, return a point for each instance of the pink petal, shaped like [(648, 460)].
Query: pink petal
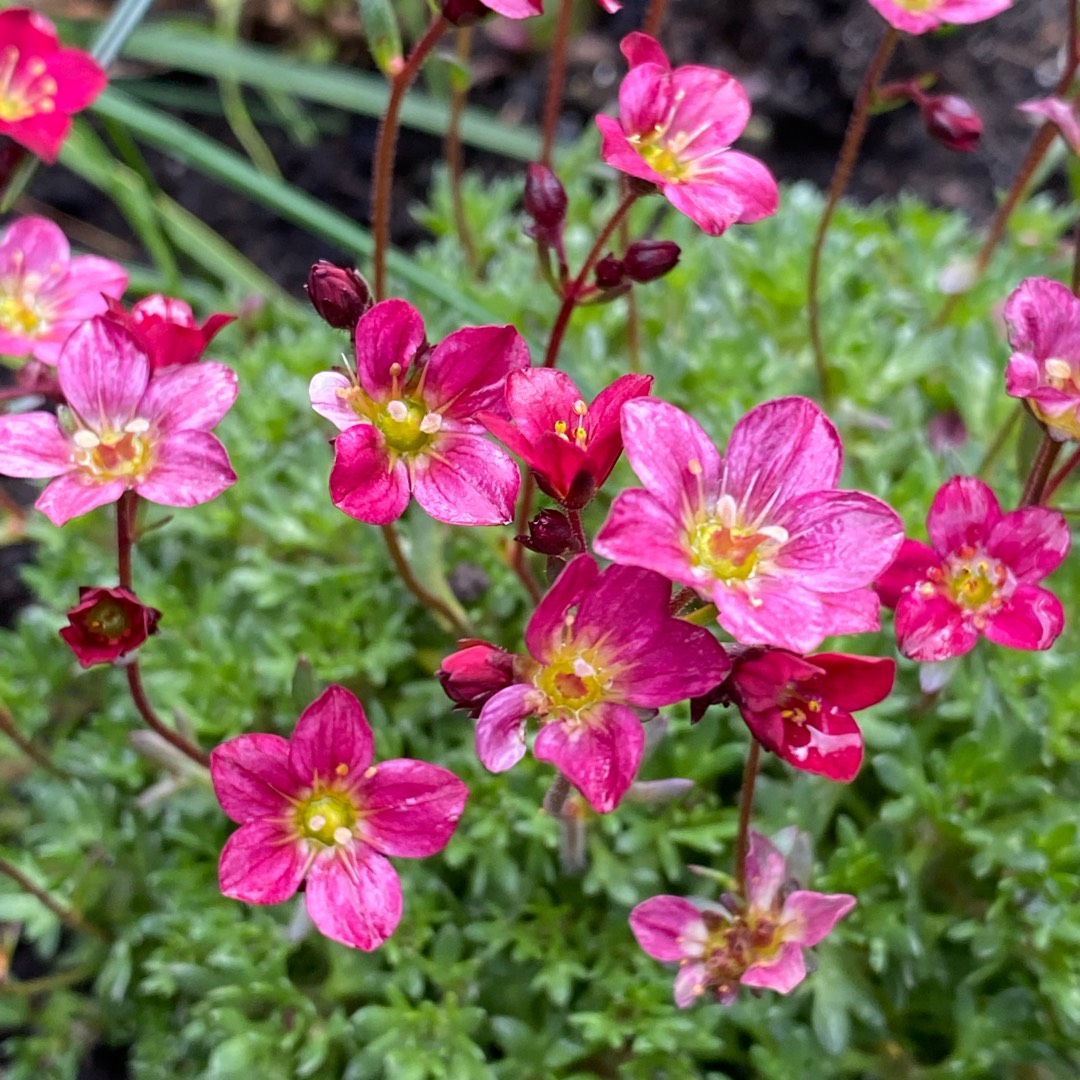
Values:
[(78, 295), (79, 79), (354, 896), (773, 611), (190, 467), (855, 612), (1044, 319), (390, 333), (516, 9), (539, 397), (544, 633), (1032, 542), (409, 808), (645, 99), (363, 481), (903, 18), (72, 495), (323, 393), (911, 565), (932, 627), (964, 512), (33, 245), (1032, 619), (640, 531), (189, 397), (605, 430), (262, 863), (599, 754), (712, 207), (500, 729), (855, 682), (691, 982), (828, 744), (681, 662), (468, 369), (1060, 113), (42, 133), (710, 102), (103, 373), (766, 872), (751, 180), (639, 48), (621, 154), (332, 739), (809, 916), (1022, 376), (782, 974), (465, 479), (32, 446), (252, 777), (30, 32), (668, 928)]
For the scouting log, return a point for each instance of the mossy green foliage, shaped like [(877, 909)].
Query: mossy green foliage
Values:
[(960, 836)]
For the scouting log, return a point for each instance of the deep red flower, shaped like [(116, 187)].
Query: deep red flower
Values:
[(166, 329), (107, 624)]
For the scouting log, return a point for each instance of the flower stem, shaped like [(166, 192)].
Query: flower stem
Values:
[(1037, 479), (849, 152), (1058, 478), (65, 914), (556, 80), (654, 16), (34, 753), (386, 146), (556, 796), (574, 517), (453, 152), (746, 804), (428, 599)]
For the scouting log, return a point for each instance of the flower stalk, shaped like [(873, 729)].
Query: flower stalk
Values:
[(68, 916), (556, 79)]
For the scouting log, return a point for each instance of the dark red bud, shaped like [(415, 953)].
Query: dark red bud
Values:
[(339, 294), (952, 121), (107, 624), (474, 674), (646, 260), (464, 12), (551, 534), (545, 203), (610, 272)]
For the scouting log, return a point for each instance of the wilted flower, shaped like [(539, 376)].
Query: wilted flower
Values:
[(107, 624), (918, 16), (314, 807), (465, 12), (166, 329)]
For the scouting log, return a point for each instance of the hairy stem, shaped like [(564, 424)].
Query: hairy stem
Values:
[(654, 16), (556, 80), (557, 794), (65, 914), (746, 804), (428, 599)]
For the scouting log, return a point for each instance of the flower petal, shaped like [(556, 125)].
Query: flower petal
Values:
[(932, 627), (668, 928), (1032, 542), (544, 632), (963, 513), (364, 483), (782, 974), (32, 446), (354, 896), (691, 982), (466, 479), (262, 863), (1032, 619), (390, 333), (500, 729), (910, 566), (190, 467), (332, 739), (641, 531), (72, 495), (189, 397), (103, 373), (808, 917), (766, 871), (323, 393), (251, 776), (468, 369)]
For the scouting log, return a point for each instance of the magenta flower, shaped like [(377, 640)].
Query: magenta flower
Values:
[(408, 422), (44, 292), (918, 16), (121, 431), (758, 943), (1059, 112), (314, 807), (107, 624), (571, 447), (602, 644), (800, 707), (41, 84), (978, 578), (166, 330), (675, 129), (763, 533), (1044, 332)]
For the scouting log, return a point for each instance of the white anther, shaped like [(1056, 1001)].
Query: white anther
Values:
[(431, 423), (398, 411), (342, 835), (138, 426), (85, 440), (317, 822)]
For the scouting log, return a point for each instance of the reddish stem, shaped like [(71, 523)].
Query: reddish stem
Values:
[(746, 804), (1035, 487), (574, 517), (428, 599), (556, 80), (653, 17), (64, 914)]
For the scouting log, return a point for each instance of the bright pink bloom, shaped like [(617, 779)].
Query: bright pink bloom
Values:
[(675, 129), (918, 16), (41, 84), (800, 707), (571, 447), (757, 943), (978, 578), (1044, 332), (44, 292), (107, 624), (315, 807), (1059, 112), (166, 329), (121, 431), (408, 422), (603, 644), (763, 533)]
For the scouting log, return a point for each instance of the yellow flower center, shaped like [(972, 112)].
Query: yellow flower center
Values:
[(328, 818), (17, 316), (918, 6), (573, 681), (406, 425), (115, 455), (108, 619), (574, 431), (973, 581), (726, 552), (26, 91)]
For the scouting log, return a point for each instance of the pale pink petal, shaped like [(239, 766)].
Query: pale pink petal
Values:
[(766, 872), (639, 531), (1032, 619), (1043, 317), (465, 479), (409, 808), (855, 612), (252, 777), (971, 11), (710, 102), (516, 9), (639, 48), (773, 611), (712, 207), (781, 974), (467, 371), (33, 245), (1060, 113), (78, 296), (1032, 542), (73, 495), (363, 482), (903, 18), (544, 632), (964, 512), (32, 446), (500, 729), (103, 374), (189, 397), (354, 896), (1021, 376), (691, 982), (390, 333), (668, 928), (332, 740), (932, 627), (808, 917), (325, 400), (911, 565), (262, 863), (190, 467)]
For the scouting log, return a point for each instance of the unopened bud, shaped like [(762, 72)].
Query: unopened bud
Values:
[(551, 534), (952, 121), (340, 295), (473, 675), (464, 12), (610, 272), (545, 202), (646, 260)]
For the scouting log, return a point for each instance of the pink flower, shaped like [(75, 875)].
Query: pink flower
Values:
[(571, 447), (800, 707), (918, 16), (107, 624), (408, 423), (466, 12), (41, 84), (603, 644), (166, 330), (44, 292), (978, 578), (1044, 332), (315, 807), (756, 943), (763, 533), (121, 431), (1059, 112), (675, 130)]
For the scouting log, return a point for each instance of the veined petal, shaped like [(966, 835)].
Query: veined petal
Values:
[(466, 479), (907, 569), (325, 400), (467, 371), (72, 495), (262, 863), (32, 446), (781, 974), (691, 982), (645, 99), (932, 627), (708, 101), (103, 373), (332, 740), (1044, 319), (252, 778), (364, 483), (641, 531), (682, 661), (190, 467), (964, 512), (1032, 619), (712, 207), (389, 333), (189, 397), (500, 729), (773, 611), (621, 154), (668, 928), (753, 182), (33, 245), (354, 896), (639, 48), (537, 398), (544, 632), (1032, 542), (78, 295), (808, 917), (765, 872)]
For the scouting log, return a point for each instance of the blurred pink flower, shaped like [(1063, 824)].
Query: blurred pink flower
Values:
[(1059, 112), (409, 421), (675, 130), (979, 577), (44, 292), (762, 532), (1044, 332), (603, 644), (758, 943), (41, 84), (121, 431), (314, 807), (166, 329), (918, 16)]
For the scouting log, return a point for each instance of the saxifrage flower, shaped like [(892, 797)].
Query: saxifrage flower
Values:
[(675, 130), (1044, 332), (314, 807), (979, 577), (759, 943), (107, 624), (763, 532), (919, 16), (408, 421), (571, 447), (166, 329), (41, 84), (602, 643), (121, 430), (44, 292)]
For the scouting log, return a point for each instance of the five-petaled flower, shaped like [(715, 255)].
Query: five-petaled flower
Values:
[(919, 16), (602, 644), (762, 532), (41, 84), (121, 430), (1044, 332), (107, 624), (44, 292), (979, 577), (166, 329), (675, 130), (571, 447), (408, 421), (758, 943), (314, 807)]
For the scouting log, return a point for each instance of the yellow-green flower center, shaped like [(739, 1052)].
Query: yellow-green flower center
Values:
[(327, 818), (975, 583), (108, 619), (115, 455), (918, 6), (573, 682), (726, 552), (406, 425), (17, 316), (662, 158)]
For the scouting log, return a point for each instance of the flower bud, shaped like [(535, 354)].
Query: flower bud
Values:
[(474, 674), (107, 624), (646, 260), (551, 534), (464, 12), (951, 120), (339, 294), (545, 202), (610, 272)]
